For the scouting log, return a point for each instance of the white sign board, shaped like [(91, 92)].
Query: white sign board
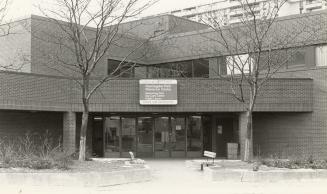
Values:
[(158, 92)]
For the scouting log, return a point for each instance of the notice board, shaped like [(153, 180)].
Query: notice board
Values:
[(158, 92)]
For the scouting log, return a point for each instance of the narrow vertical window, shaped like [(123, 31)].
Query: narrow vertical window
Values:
[(321, 56)]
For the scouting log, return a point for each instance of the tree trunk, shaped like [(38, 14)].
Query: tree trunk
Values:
[(85, 119), (82, 142), (248, 147)]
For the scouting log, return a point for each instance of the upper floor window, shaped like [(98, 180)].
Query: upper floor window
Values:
[(238, 64), (120, 69), (321, 56), (191, 68), (296, 57)]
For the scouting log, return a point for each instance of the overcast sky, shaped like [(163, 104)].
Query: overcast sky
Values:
[(23, 8)]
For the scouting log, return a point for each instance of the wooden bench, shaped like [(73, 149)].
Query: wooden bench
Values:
[(208, 155)]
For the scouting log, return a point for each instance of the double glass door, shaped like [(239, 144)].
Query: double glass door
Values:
[(170, 137)]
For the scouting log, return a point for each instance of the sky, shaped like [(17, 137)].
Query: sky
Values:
[(23, 8)]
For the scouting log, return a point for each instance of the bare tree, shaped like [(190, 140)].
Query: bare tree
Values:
[(90, 31), (255, 45), (5, 29)]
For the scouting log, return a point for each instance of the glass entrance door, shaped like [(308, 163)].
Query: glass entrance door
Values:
[(147, 136), (162, 137), (144, 137), (128, 134), (112, 137), (170, 137), (178, 137)]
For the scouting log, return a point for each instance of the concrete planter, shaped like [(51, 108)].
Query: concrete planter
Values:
[(83, 179), (241, 175)]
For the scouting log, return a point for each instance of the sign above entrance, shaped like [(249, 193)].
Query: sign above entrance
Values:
[(158, 92)]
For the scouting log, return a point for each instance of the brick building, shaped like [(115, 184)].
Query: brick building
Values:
[(290, 116)]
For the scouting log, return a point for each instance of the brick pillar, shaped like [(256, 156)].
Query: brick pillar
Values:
[(242, 132), (69, 132)]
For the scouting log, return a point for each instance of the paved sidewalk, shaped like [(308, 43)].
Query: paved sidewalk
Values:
[(172, 176)]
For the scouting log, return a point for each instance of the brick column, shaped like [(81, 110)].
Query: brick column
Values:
[(242, 132), (69, 132)]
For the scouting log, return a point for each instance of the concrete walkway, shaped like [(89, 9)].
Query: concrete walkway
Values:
[(172, 176)]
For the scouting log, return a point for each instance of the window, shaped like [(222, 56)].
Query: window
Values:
[(235, 8), (116, 69), (112, 66), (321, 56), (182, 69), (236, 16), (153, 72), (201, 68), (296, 57), (239, 63), (273, 60), (191, 68), (140, 71)]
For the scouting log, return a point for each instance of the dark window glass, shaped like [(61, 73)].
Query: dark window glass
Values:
[(195, 68), (194, 134), (162, 134), (178, 131), (111, 136), (153, 72), (296, 57), (144, 137), (201, 68), (140, 71), (182, 69), (272, 60), (112, 66), (128, 134), (165, 70), (126, 69)]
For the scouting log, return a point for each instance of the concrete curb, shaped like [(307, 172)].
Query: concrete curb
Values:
[(81, 179), (244, 175), (264, 176)]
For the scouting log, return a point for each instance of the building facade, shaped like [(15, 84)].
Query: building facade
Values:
[(199, 114), (232, 10)]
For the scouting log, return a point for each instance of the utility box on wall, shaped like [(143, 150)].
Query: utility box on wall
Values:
[(232, 151)]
